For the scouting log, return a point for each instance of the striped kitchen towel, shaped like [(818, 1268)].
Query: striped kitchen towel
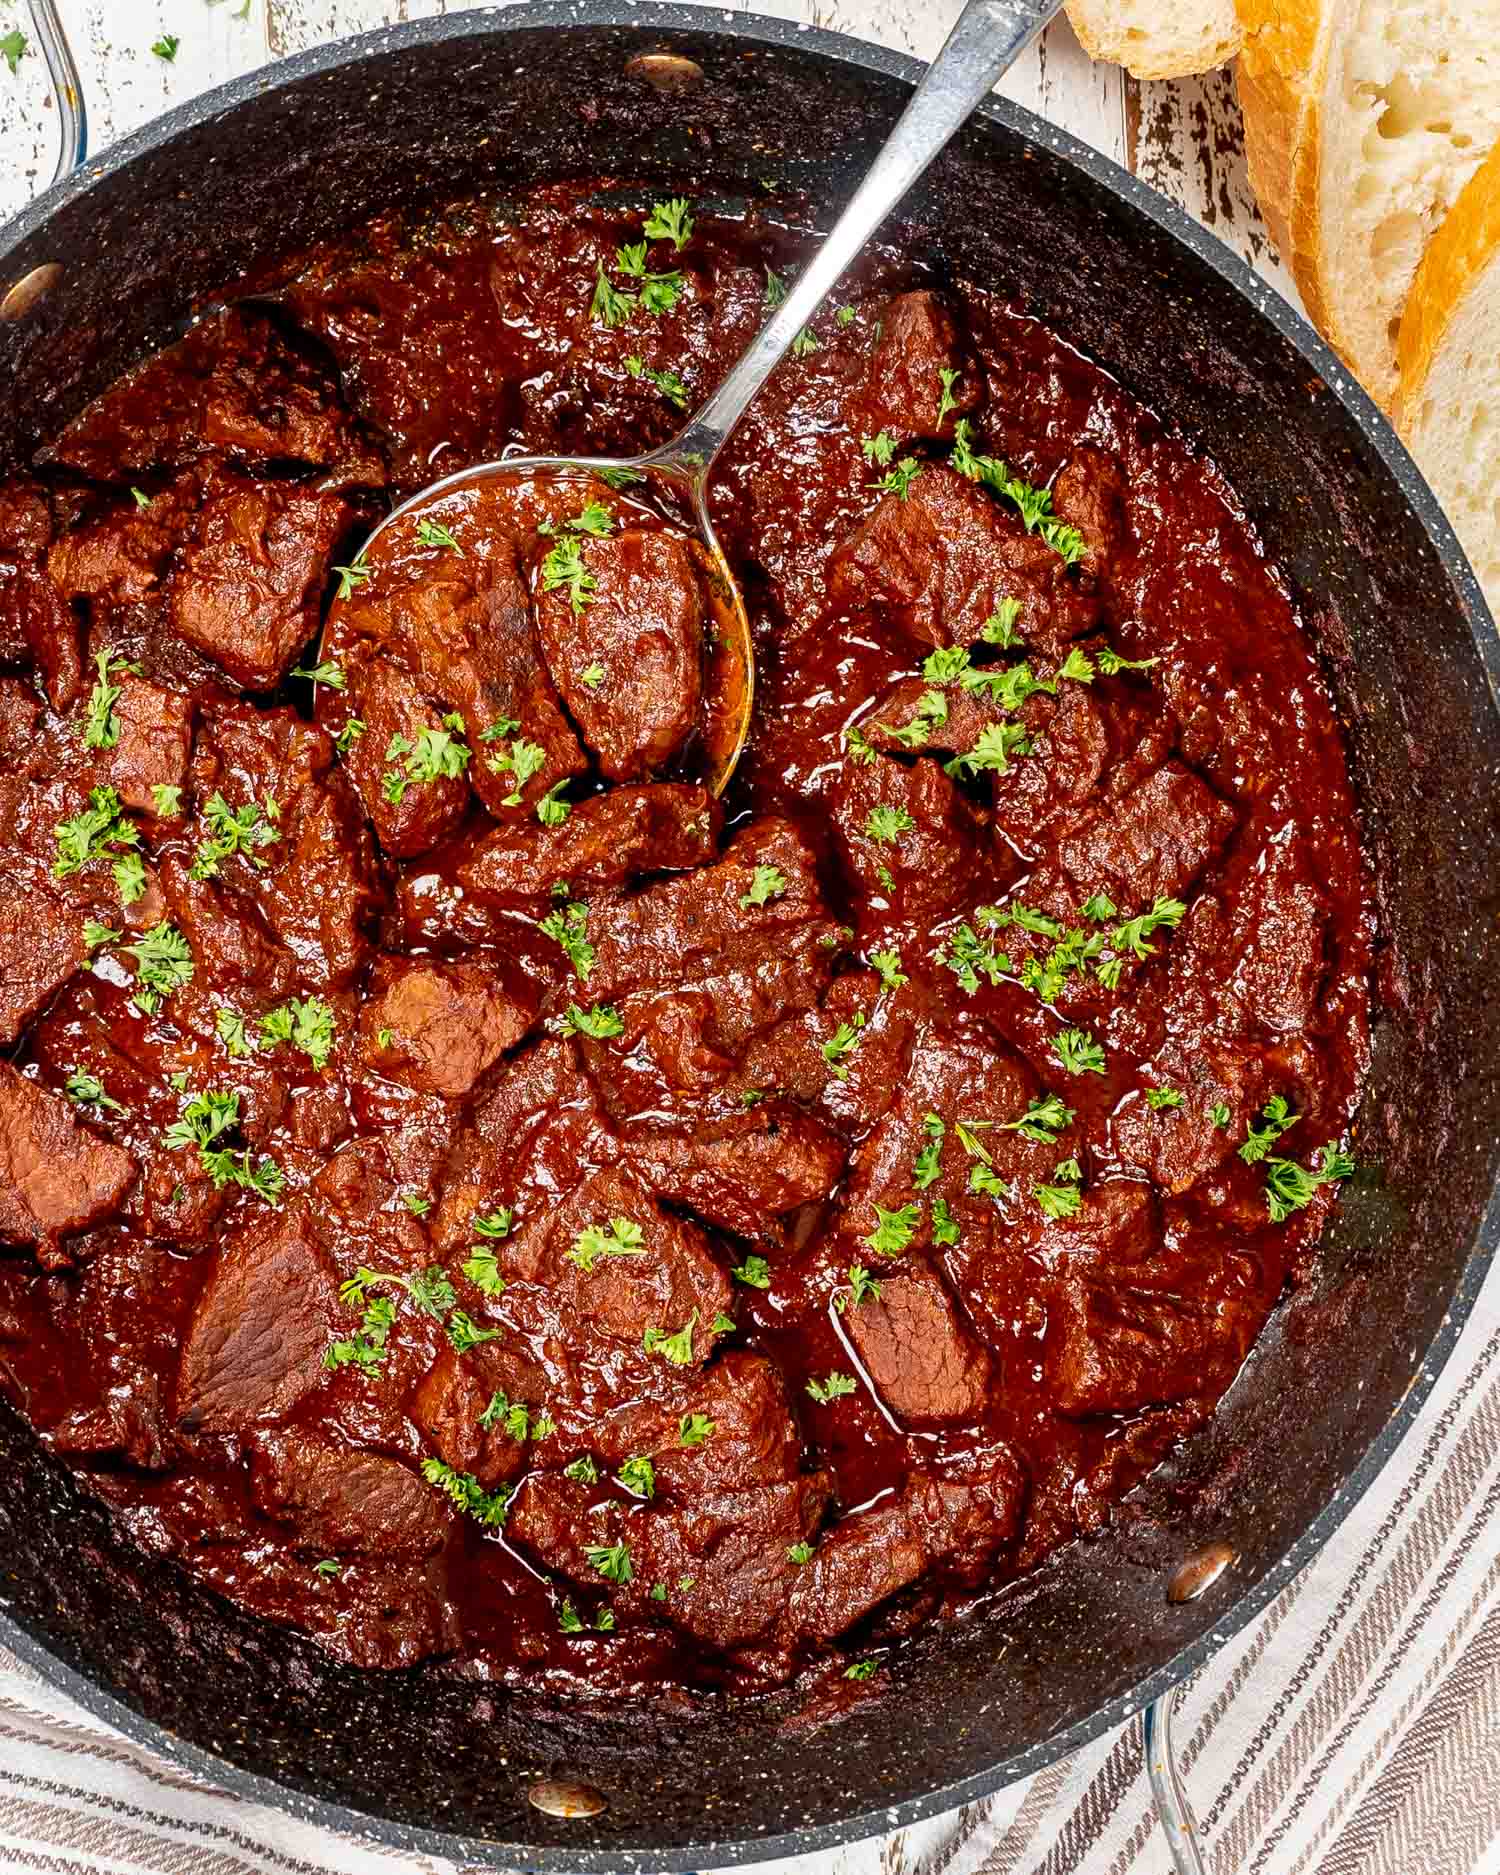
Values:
[(1354, 1729)]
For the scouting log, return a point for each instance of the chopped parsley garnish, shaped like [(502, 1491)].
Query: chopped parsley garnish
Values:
[(327, 1567), (1131, 936), (775, 290), (694, 1428), (1079, 1053), (206, 1120), (769, 882), (306, 1026), (351, 732), (92, 833), (418, 1203), (1000, 627), (1163, 1099), (130, 877), (841, 1044), (601, 1023), (969, 957), (327, 672), (1111, 663), (997, 743), (163, 963), (1290, 1187), (805, 343), (604, 1621), (434, 753), (521, 761), (755, 1271), (1219, 1114), (879, 450), (95, 935), (165, 48), (166, 800), (898, 479), (1259, 1140), (610, 306), (230, 1028), (861, 1670), (514, 1419), (667, 382), (888, 966), (567, 1618), (434, 534), (927, 1168), (582, 1470), (592, 677), (465, 1490), (863, 1287), (1062, 1198), (429, 1289), (563, 571), (832, 1388), (670, 221), (638, 1475), (944, 1224), (493, 1224), (659, 292), (611, 1560), (799, 1553), (887, 825), (568, 927), (1035, 504), (232, 830), (893, 1230), (676, 1348), (101, 727), (464, 1333), (1045, 1117), (552, 810), (87, 1090), (351, 576), (948, 378), (622, 1238), (12, 48)]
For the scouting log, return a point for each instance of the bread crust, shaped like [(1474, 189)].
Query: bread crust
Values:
[(1158, 56), (1463, 247)]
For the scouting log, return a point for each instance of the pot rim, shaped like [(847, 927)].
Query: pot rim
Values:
[(653, 16)]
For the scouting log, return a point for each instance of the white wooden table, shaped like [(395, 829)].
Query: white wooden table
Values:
[(1184, 138)]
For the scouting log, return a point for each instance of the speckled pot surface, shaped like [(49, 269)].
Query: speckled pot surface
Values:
[(491, 101)]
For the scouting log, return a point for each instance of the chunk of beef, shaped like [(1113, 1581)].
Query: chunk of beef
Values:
[(224, 932), (755, 1438), (904, 391), (261, 1326), (25, 520), (247, 753), (757, 962), (1089, 741), (41, 945), (607, 839), (179, 1202), (912, 715), (628, 664), (247, 586), (857, 1089), (669, 1281), (20, 709), (744, 1171), (1119, 1339), (390, 703), (468, 639), (233, 384), (926, 1366), (956, 1520), (908, 835), (443, 1023), (1272, 934), (1089, 494), (155, 736), (1151, 845), (452, 1397), (323, 893), (979, 1084), (341, 1501), (56, 1177), (940, 561), (123, 555), (35, 612)]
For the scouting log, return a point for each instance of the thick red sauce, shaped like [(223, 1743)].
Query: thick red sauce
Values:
[(1026, 1357)]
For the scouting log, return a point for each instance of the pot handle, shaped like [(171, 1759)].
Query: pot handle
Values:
[(72, 118), (1172, 1805)]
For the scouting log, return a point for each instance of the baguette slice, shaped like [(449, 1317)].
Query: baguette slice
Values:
[(1157, 38), (1364, 120), (1448, 409)]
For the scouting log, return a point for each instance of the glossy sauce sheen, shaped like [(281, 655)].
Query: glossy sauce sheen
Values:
[(1007, 1387)]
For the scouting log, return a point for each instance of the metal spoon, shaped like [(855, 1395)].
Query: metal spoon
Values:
[(989, 36)]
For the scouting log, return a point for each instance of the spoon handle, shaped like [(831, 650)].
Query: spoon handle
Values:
[(989, 36)]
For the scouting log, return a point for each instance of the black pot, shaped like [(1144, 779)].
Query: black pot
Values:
[(491, 102)]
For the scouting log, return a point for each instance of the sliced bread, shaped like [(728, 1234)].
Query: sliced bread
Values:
[(1448, 408), (1364, 120), (1157, 38)]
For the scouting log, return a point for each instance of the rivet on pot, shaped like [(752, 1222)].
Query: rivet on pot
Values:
[(665, 71), (30, 290), (559, 1796), (1199, 1572)]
